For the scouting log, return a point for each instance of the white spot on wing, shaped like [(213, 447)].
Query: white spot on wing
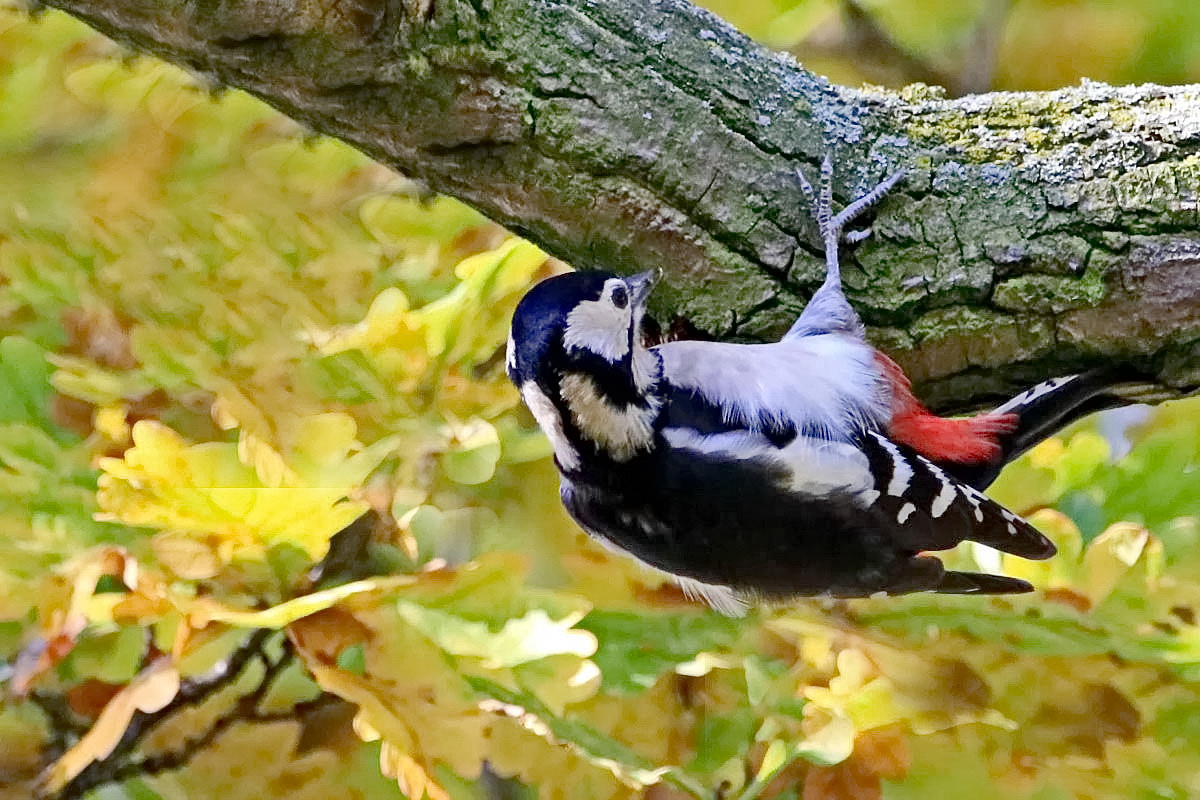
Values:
[(943, 500), (548, 419), (906, 511), (901, 471), (621, 430), (945, 495), (974, 498)]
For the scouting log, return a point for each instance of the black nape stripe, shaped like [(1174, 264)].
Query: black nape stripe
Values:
[(613, 380)]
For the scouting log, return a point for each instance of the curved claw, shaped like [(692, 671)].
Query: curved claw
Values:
[(821, 201), (828, 309), (856, 208), (854, 237)]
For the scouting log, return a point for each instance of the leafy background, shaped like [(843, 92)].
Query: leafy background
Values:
[(225, 340)]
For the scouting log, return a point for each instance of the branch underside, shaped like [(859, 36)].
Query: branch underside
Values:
[(1036, 234)]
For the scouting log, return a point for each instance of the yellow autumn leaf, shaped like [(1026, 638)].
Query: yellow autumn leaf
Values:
[(204, 610), (387, 323), (412, 778), (205, 490), (1110, 556), (468, 320)]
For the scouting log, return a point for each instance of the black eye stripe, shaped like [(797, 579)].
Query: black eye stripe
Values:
[(620, 297)]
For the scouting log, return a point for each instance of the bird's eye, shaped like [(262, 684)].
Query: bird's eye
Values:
[(620, 297)]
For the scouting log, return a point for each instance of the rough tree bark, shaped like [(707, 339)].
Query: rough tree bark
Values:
[(1036, 233)]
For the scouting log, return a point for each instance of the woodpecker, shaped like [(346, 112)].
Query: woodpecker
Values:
[(756, 472)]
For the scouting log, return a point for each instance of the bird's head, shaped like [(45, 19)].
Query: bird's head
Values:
[(585, 320), (576, 344)]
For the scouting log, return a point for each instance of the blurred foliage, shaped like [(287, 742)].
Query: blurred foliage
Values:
[(980, 45), (222, 342)]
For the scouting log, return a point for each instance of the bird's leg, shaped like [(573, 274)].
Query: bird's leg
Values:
[(828, 311)]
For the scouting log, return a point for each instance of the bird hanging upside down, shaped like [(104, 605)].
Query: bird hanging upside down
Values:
[(770, 471)]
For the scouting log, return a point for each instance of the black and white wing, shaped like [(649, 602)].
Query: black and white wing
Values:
[(932, 510)]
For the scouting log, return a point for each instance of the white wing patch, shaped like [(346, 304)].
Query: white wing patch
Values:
[(621, 430), (548, 419), (827, 383), (815, 466)]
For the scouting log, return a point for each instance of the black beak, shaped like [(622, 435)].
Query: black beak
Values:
[(641, 285)]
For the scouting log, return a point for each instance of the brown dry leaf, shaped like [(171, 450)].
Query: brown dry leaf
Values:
[(89, 698), (1070, 598), (878, 754), (845, 781), (884, 751), (98, 333), (325, 634), (149, 691)]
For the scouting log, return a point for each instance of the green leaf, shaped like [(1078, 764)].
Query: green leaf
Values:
[(1040, 634), (722, 737), (473, 454), (635, 649), (590, 744), (25, 376), (353, 659), (522, 640)]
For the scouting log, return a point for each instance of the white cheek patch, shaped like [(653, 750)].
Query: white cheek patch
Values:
[(622, 431), (599, 327), (550, 422)]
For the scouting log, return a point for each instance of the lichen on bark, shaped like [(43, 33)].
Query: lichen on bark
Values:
[(1036, 233)]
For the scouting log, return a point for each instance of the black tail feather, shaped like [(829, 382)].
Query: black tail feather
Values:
[(1047, 408), (981, 583)]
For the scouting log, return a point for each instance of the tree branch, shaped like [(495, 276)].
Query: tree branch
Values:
[(1037, 233)]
